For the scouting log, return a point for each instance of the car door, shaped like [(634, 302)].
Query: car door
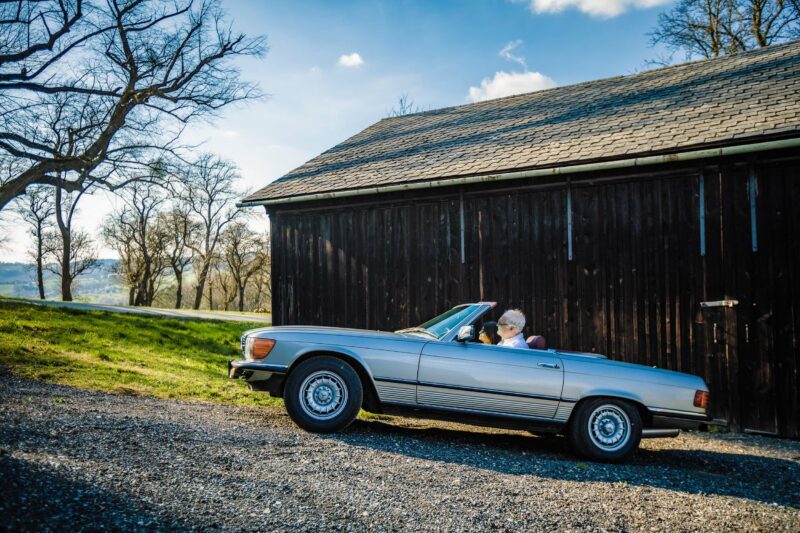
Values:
[(489, 379)]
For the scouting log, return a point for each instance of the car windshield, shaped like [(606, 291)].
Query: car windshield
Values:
[(439, 327)]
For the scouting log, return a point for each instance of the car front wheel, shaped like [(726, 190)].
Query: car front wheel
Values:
[(606, 429), (323, 394)]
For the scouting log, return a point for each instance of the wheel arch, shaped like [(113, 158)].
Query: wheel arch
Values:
[(371, 401), (644, 413)]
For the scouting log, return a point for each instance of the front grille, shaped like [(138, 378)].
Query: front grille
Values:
[(244, 342)]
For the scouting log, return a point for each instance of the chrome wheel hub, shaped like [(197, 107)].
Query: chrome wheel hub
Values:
[(609, 427), (323, 395)]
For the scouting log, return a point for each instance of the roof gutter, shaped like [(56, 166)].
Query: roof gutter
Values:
[(552, 171)]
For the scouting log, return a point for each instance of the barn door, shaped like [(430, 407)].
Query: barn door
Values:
[(720, 327), (739, 328), (752, 253)]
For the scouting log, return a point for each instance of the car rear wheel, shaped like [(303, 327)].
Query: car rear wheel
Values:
[(606, 429), (323, 394)]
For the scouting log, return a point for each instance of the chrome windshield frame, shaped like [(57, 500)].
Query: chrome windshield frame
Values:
[(482, 308)]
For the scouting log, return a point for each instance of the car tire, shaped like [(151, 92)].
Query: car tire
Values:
[(323, 394), (605, 429)]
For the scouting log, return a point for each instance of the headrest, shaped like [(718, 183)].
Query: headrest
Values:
[(536, 342)]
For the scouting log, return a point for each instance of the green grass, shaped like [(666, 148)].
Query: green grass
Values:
[(125, 353)]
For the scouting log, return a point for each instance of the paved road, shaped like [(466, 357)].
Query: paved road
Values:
[(72, 460), (175, 313)]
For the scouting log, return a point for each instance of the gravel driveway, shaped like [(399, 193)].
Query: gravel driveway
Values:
[(72, 460)]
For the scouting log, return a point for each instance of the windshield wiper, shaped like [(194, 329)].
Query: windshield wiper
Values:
[(416, 329)]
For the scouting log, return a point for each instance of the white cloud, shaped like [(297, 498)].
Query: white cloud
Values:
[(351, 60), (595, 8), (508, 83), (506, 54)]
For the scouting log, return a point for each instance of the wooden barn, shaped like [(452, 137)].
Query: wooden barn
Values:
[(654, 218)]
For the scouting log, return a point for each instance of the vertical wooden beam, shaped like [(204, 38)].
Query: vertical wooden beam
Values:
[(752, 192), (702, 210), (569, 221), (461, 226)]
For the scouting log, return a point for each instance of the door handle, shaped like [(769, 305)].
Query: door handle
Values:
[(549, 365)]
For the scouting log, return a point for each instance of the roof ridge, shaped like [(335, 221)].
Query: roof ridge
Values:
[(694, 63), (707, 102)]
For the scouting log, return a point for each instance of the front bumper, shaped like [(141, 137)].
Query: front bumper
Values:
[(242, 368), (259, 376)]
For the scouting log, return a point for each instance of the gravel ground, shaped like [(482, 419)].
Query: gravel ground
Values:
[(77, 460)]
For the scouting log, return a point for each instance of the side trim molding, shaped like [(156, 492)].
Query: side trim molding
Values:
[(396, 380), (474, 389), (493, 414), (678, 414)]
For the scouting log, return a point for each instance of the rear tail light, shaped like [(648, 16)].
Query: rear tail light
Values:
[(701, 399), (261, 348)]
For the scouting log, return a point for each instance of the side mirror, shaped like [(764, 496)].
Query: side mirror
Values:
[(466, 333)]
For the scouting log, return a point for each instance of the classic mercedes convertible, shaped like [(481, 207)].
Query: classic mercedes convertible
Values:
[(440, 370)]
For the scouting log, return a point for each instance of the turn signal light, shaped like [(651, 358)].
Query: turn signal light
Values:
[(261, 348), (701, 399)]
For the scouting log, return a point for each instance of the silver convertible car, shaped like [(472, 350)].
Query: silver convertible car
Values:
[(440, 370)]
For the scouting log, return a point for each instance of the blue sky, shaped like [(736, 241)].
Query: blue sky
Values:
[(434, 51)]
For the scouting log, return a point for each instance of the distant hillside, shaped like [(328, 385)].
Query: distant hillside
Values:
[(99, 285)]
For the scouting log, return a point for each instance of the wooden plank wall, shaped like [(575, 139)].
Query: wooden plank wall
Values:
[(632, 289)]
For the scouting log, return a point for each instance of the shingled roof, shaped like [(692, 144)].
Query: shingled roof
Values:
[(730, 100)]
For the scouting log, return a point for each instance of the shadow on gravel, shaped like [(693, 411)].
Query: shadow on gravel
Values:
[(33, 498), (763, 479)]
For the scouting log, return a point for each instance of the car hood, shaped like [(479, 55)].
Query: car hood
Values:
[(326, 330)]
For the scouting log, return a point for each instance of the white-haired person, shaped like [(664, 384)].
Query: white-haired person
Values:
[(509, 327)]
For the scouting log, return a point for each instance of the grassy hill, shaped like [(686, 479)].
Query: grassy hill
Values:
[(125, 354)]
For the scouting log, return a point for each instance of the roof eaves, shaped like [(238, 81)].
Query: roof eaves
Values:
[(575, 168)]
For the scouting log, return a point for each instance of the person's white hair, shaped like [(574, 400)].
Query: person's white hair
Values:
[(514, 318)]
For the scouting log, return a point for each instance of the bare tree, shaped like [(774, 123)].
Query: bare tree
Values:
[(122, 76), (35, 34), (711, 28), (405, 106), (223, 278), (770, 21), (261, 287), (141, 238), (245, 254), (72, 250), (36, 210), (209, 196), (118, 235), (181, 230)]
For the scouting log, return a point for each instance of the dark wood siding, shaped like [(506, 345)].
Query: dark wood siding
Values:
[(632, 289)]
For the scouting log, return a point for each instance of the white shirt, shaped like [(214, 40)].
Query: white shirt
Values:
[(517, 341)]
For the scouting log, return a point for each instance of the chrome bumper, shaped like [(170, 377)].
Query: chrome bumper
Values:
[(241, 368)]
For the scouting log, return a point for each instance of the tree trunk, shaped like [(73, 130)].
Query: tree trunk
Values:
[(131, 295), (179, 293), (151, 291), (241, 298), (66, 275), (39, 266), (142, 297), (201, 285), (66, 250)]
